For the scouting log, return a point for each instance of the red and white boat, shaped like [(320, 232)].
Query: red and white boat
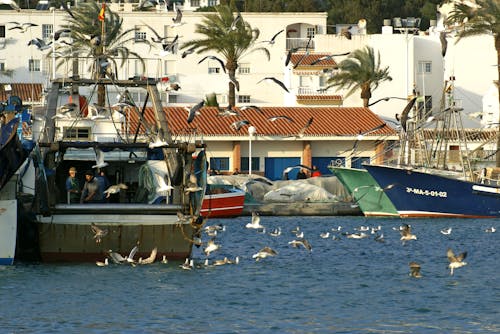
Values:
[(222, 202)]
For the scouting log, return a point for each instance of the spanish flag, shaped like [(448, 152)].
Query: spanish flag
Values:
[(101, 12)]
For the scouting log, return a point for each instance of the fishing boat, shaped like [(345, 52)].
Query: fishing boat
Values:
[(157, 182), (446, 182), (423, 194), (366, 192), (222, 201), (13, 153)]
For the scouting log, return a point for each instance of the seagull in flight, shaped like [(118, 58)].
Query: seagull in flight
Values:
[(188, 51), (239, 124), (252, 107), (279, 117), (456, 261), (99, 159), (289, 55), (305, 127), (195, 110), (177, 20), (40, 44), (211, 247), (328, 57), (273, 39), (114, 189), (406, 235), (23, 27), (151, 258), (98, 233), (301, 242), (263, 253), (306, 53), (255, 224), (216, 59), (234, 24), (276, 81)]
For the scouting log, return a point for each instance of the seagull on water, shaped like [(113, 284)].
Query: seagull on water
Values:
[(379, 237), (102, 264), (114, 189), (360, 235), (456, 261), (188, 264), (446, 231), (276, 232), (490, 230), (263, 253), (116, 257), (415, 269), (98, 233), (325, 235)]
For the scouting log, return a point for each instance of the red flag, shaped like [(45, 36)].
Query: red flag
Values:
[(101, 13)]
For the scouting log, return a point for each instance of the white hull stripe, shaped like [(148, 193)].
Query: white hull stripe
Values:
[(486, 189)]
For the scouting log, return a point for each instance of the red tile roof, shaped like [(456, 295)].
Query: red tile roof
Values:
[(327, 121), (319, 97), (27, 92)]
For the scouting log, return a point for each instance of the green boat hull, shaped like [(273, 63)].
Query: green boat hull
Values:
[(365, 191)]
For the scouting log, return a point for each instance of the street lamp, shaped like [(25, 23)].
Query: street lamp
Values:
[(251, 132)]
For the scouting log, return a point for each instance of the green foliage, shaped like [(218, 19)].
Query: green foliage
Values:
[(217, 37), (360, 70)]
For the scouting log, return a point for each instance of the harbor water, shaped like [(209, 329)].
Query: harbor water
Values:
[(343, 285)]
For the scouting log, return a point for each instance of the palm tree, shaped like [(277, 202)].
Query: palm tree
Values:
[(481, 18), (230, 37), (360, 71), (89, 41)]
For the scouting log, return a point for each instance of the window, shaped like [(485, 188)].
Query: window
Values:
[(243, 98), (34, 65), (310, 32), (2, 65), (212, 2), (138, 68), (140, 34), (244, 69), (221, 98), (172, 98), (424, 108), (255, 163), (213, 70), (322, 81), (47, 31), (195, 3), (424, 67), (73, 133), (219, 163), (2, 31), (47, 65)]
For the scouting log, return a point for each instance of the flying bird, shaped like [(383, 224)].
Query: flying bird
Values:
[(301, 242), (252, 107), (64, 5), (273, 79), (415, 270), (306, 52), (177, 20), (99, 233), (405, 231), (364, 133), (239, 124), (194, 111), (157, 38), (234, 24), (456, 261), (40, 44), (228, 111), (404, 114), (60, 32), (216, 59), (328, 57), (289, 55), (444, 42), (151, 258), (279, 117), (346, 32), (11, 3), (305, 127), (211, 247), (23, 27), (188, 51), (114, 189), (263, 253), (99, 159), (255, 223), (273, 39)]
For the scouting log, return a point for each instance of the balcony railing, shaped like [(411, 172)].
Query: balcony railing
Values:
[(300, 43), (314, 91)]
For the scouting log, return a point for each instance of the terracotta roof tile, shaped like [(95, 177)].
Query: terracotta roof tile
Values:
[(26, 91), (319, 97), (327, 121)]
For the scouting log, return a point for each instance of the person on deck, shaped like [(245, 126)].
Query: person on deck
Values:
[(301, 174), (315, 172), (91, 192), (72, 187), (103, 182)]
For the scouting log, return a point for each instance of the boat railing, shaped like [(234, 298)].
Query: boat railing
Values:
[(117, 208)]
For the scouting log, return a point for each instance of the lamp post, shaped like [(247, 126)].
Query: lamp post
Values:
[(251, 132)]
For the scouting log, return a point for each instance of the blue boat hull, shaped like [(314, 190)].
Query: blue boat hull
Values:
[(419, 194)]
